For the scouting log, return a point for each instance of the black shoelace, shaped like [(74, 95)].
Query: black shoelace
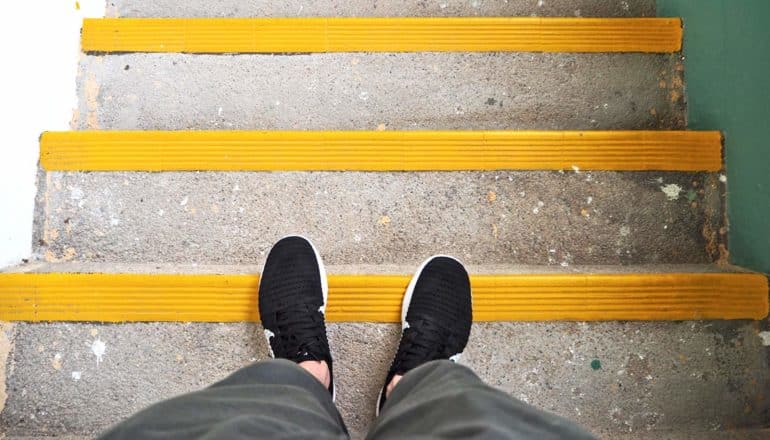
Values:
[(424, 341), (300, 334)]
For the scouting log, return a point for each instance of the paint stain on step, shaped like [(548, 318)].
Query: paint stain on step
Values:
[(98, 348)]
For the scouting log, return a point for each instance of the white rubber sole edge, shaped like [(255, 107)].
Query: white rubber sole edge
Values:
[(324, 290)]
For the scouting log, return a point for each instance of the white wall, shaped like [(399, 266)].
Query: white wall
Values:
[(40, 50)]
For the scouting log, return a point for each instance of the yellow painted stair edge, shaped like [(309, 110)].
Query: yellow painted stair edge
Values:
[(377, 298), (404, 34), (380, 150)]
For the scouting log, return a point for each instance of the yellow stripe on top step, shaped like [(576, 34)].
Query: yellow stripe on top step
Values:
[(380, 150), (377, 298), (472, 34)]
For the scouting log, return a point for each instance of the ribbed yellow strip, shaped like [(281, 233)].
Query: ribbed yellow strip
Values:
[(265, 35), (377, 298), (380, 150)]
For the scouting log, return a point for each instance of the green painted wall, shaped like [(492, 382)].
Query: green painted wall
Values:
[(727, 75)]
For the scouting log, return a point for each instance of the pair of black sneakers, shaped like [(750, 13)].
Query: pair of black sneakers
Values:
[(436, 313)]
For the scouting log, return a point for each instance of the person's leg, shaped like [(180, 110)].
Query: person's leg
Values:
[(269, 399), (442, 399), (291, 397), (427, 395)]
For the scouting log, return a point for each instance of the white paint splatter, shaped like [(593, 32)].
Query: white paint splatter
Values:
[(578, 13), (161, 212), (540, 3), (625, 231), (363, 96), (765, 337), (723, 178), (114, 221), (184, 201), (76, 193), (625, 6), (536, 209), (236, 187), (442, 5), (476, 3), (98, 348), (671, 190), (576, 169), (76, 375), (219, 111), (589, 200)]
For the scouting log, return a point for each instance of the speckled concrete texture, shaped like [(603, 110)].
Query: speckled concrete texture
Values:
[(384, 8), (460, 91), (653, 377), (370, 218), (622, 380)]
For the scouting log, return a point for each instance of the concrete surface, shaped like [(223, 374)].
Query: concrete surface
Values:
[(311, 8), (548, 218), (655, 377), (658, 379), (391, 91), (380, 269)]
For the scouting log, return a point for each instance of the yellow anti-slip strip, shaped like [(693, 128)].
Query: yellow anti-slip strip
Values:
[(380, 150), (377, 298), (266, 35)]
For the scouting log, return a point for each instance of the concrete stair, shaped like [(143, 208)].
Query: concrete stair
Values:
[(655, 379)]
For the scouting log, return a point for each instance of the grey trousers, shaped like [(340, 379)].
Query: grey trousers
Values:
[(276, 399)]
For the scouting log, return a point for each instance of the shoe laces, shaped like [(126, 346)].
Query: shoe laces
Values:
[(425, 341), (300, 334)]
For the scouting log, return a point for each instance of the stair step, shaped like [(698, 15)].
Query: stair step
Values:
[(380, 150), (368, 91), (655, 377), (410, 34), (501, 217), (580, 296), (380, 8)]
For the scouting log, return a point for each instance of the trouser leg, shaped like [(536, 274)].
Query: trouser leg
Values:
[(270, 399), (444, 400)]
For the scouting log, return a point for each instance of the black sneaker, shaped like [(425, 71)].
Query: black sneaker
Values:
[(436, 317), (292, 302)]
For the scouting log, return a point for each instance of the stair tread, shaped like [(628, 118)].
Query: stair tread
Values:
[(655, 377), (383, 8), (405, 91), (524, 217)]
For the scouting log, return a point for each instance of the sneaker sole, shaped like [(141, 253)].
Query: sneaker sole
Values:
[(324, 291), (405, 308)]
